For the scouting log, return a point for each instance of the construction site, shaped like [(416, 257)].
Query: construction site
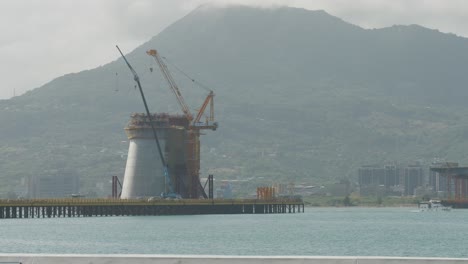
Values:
[(162, 171), (164, 150), (144, 176), (454, 180)]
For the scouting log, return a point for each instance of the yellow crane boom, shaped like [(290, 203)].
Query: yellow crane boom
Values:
[(194, 123), (172, 84)]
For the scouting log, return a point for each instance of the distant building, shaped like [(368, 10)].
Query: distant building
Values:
[(414, 176), (53, 184), (375, 180), (392, 176), (370, 176)]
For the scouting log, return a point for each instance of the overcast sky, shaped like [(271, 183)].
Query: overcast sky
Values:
[(44, 39)]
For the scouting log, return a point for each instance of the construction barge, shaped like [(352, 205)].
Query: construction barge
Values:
[(79, 207)]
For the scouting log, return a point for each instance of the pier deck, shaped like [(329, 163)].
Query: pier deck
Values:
[(78, 207)]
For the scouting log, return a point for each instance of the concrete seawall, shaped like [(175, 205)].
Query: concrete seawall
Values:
[(173, 259)]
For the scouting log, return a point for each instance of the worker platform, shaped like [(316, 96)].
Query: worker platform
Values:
[(80, 207)]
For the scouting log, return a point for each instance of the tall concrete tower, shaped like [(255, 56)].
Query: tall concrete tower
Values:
[(144, 175)]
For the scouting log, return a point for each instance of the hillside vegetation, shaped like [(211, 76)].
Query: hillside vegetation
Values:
[(301, 96)]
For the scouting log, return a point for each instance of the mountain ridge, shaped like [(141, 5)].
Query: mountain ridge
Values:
[(300, 96)]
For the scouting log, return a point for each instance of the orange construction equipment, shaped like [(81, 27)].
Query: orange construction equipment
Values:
[(194, 123), (193, 130), (266, 193)]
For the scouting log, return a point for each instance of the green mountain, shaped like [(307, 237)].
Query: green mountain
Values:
[(301, 96)]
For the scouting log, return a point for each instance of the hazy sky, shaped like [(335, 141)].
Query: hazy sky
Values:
[(44, 39)]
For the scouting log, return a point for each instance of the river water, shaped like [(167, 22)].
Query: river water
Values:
[(317, 232)]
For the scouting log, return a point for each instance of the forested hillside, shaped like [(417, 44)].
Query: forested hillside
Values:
[(301, 96)]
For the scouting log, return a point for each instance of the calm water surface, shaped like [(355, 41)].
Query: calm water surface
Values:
[(319, 231)]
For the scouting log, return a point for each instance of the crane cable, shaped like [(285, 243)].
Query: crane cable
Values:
[(136, 78), (187, 76)]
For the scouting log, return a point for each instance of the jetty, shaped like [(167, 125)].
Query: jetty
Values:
[(83, 207)]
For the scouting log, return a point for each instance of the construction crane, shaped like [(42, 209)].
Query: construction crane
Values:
[(209, 122), (171, 193), (195, 123)]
